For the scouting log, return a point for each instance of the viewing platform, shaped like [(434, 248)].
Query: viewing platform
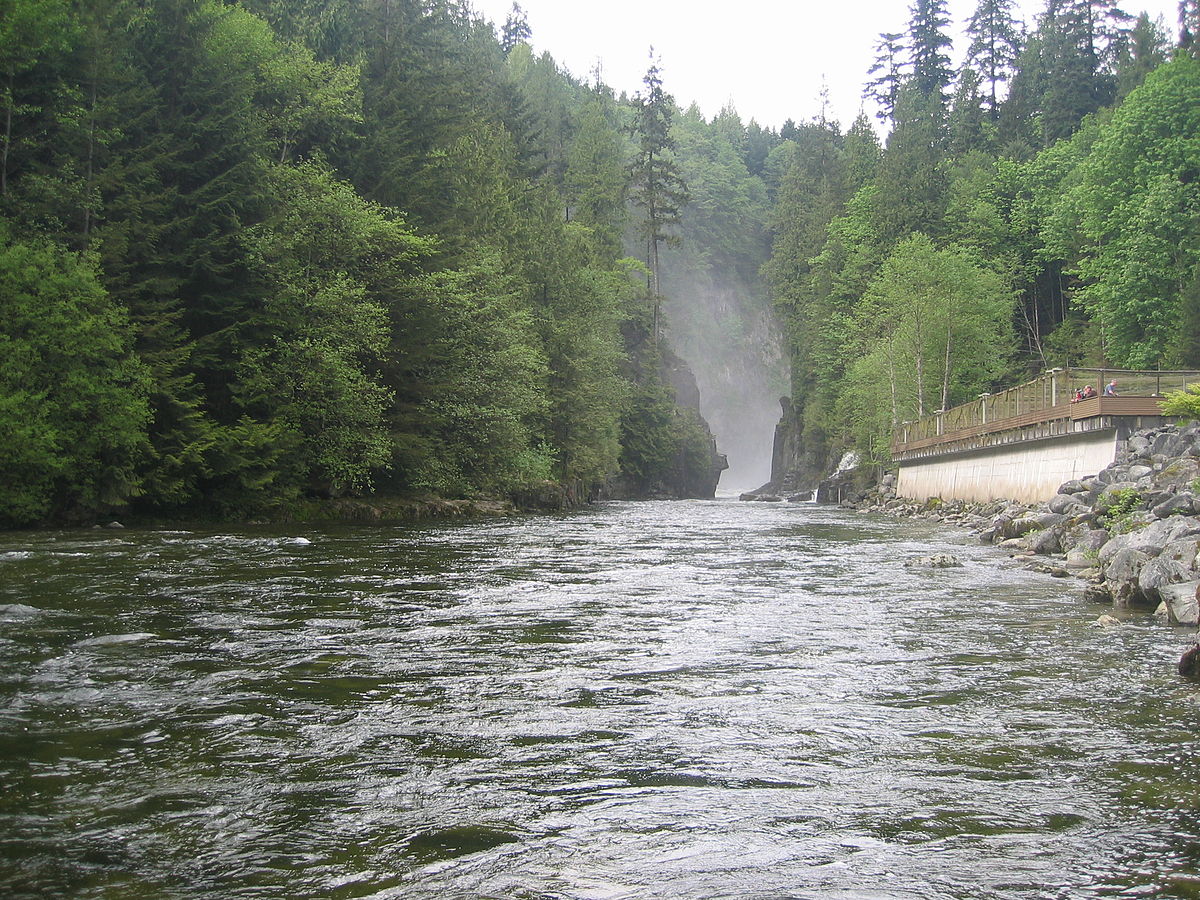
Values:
[(1021, 443)]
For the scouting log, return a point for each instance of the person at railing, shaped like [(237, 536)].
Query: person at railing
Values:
[(1110, 389), (1077, 396), (1088, 393)]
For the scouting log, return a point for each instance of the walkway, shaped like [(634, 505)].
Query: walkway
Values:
[(1041, 408)]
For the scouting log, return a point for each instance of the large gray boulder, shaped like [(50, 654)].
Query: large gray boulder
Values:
[(1121, 575), (1158, 534), (1174, 565), (1177, 474), (1183, 608), (1066, 504), (1082, 546), (1183, 504)]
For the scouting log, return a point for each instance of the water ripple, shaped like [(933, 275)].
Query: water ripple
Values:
[(660, 700)]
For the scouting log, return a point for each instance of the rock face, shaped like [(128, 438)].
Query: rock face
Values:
[(686, 477)]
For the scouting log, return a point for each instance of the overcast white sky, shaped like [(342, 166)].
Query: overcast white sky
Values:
[(768, 57)]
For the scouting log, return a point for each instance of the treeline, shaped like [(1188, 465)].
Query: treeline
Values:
[(1038, 207), (262, 251)]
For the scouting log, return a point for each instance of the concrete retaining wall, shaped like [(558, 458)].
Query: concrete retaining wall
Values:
[(1027, 472)]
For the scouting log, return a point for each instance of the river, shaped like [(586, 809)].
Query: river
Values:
[(656, 700)]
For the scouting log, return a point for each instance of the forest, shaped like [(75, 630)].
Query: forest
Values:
[(1036, 207), (255, 253)]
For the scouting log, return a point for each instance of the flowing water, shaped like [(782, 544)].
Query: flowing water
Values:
[(658, 700)]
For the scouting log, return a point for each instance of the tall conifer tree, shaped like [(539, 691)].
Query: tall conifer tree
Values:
[(657, 188), (930, 46), (995, 45)]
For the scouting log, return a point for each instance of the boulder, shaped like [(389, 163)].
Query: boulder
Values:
[(1183, 608), (1121, 575), (1112, 547), (1022, 526), (1189, 663), (1138, 446), (1073, 487), (1161, 532), (1177, 474), (1160, 572), (1165, 443), (1066, 504), (1175, 505), (1049, 540), (1082, 547)]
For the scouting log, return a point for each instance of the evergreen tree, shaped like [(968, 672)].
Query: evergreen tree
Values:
[(656, 187), (1145, 50), (929, 46), (596, 175), (889, 70), (966, 126), (994, 48), (516, 29)]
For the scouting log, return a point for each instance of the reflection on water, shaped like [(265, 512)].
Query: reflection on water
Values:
[(659, 700)]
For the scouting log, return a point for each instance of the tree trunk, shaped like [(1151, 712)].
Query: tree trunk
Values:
[(946, 368), (8, 113)]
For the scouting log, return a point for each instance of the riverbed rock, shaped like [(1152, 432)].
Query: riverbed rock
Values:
[(935, 561), (1048, 540), (1189, 663), (1066, 504)]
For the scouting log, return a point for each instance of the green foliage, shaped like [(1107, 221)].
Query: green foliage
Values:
[(937, 323), (1116, 509), (73, 408), (595, 176), (316, 248), (1185, 403), (664, 449), (470, 381), (1139, 210)]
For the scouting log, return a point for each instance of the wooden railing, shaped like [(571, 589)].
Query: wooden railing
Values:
[(1039, 408)]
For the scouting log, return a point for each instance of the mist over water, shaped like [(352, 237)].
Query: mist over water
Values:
[(725, 331), (745, 435)]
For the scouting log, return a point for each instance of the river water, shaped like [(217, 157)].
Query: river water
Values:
[(656, 700)]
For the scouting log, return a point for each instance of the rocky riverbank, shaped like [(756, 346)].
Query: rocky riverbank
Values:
[(1131, 533)]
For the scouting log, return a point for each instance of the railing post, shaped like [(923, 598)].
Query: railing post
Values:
[(983, 398), (1054, 386)]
